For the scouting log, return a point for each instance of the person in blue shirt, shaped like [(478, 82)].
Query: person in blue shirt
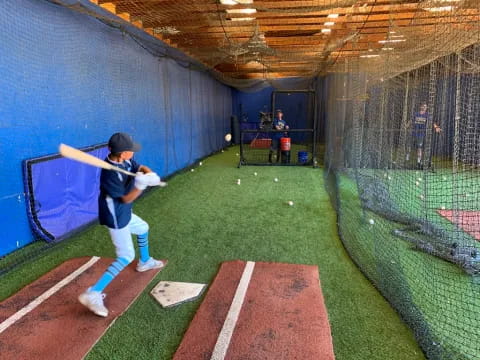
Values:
[(278, 124), (419, 131), (117, 194)]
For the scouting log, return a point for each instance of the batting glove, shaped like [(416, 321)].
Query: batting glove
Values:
[(154, 180), (141, 181)]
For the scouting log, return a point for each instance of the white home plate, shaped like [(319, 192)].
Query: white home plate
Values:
[(171, 293)]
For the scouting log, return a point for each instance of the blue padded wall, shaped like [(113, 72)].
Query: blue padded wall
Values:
[(67, 77), (246, 106)]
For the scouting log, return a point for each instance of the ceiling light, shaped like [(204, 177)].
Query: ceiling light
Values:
[(326, 31), (332, 16), (387, 49), (242, 19), (329, 23), (369, 56), (391, 41), (440, 8), (236, 2), (242, 11)]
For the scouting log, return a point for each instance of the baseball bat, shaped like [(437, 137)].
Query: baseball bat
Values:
[(78, 155)]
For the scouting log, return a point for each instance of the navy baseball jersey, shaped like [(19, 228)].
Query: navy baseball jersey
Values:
[(279, 125), (112, 212), (420, 124)]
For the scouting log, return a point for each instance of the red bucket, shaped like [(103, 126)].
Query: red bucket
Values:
[(285, 144)]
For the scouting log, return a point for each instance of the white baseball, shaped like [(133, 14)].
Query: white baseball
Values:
[(200, 163), (371, 221), (290, 203), (228, 137), (276, 180), (255, 173)]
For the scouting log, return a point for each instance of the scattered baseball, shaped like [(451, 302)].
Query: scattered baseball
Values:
[(255, 173), (419, 179), (444, 178), (192, 170), (228, 137), (276, 179), (290, 203), (222, 150), (417, 183), (238, 181), (237, 154), (422, 197), (389, 178), (443, 207), (371, 221), (385, 175), (200, 163)]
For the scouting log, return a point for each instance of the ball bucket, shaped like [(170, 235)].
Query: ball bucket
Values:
[(285, 144), (302, 157)]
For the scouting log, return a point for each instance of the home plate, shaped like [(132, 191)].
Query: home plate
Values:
[(171, 293)]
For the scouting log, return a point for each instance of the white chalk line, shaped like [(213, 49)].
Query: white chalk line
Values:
[(225, 336), (32, 305)]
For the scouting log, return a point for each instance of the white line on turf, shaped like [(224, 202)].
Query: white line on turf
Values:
[(26, 309), (223, 341)]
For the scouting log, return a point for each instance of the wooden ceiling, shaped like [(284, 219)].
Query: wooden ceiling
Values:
[(291, 38)]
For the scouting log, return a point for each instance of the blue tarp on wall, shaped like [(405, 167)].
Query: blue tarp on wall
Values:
[(67, 77)]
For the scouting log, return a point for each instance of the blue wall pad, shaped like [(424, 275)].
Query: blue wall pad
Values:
[(68, 77), (61, 194)]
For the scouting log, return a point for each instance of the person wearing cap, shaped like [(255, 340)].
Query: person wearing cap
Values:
[(117, 194), (419, 132), (278, 124)]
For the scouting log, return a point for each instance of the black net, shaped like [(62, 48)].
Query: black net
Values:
[(275, 147), (403, 171)]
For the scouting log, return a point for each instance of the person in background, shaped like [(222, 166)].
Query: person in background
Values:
[(278, 124), (419, 132)]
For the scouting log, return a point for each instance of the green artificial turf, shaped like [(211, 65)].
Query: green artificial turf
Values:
[(204, 218), (444, 295)]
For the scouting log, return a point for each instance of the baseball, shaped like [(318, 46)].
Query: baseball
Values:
[(255, 173), (276, 179), (200, 163), (290, 203), (371, 221), (417, 183), (192, 170), (228, 137)]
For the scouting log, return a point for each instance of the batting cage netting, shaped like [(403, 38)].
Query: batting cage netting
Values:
[(403, 170), (295, 141)]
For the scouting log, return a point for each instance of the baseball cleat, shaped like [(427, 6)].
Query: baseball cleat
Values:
[(93, 300), (150, 264)]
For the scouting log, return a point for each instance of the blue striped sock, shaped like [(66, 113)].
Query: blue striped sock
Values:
[(112, 271), (143, 247)]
